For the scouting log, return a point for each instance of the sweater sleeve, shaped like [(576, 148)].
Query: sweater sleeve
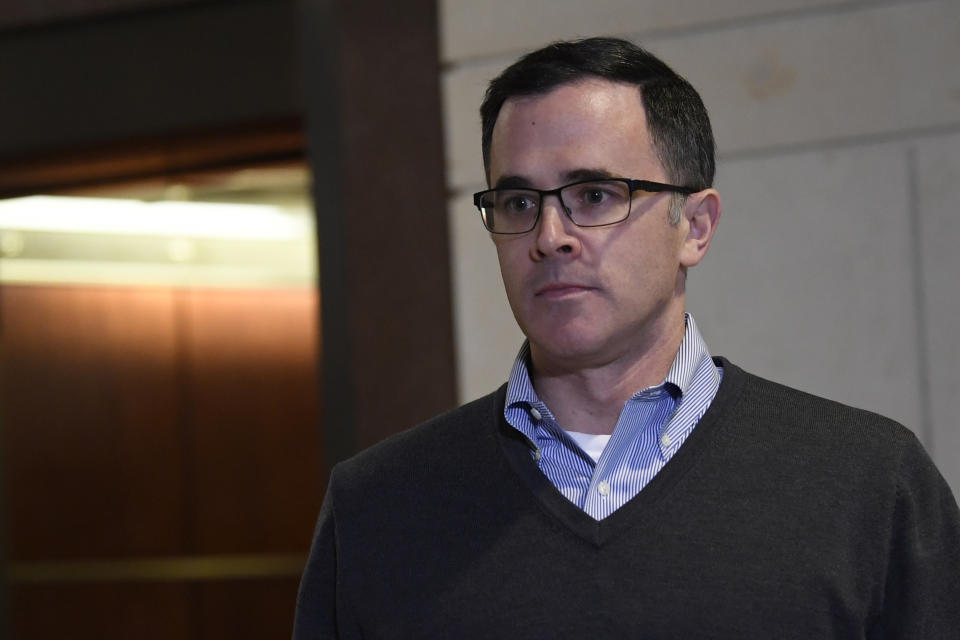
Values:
[(316, 614), (923, 577)]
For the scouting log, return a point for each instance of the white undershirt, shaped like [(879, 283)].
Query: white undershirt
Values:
[(591, 444)]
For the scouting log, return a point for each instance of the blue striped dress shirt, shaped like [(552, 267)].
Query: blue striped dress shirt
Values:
[(653, 424)]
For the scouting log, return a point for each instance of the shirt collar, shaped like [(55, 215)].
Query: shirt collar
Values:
[(692, 352)]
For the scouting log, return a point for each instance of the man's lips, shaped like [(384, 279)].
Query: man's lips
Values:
[(561, 289)]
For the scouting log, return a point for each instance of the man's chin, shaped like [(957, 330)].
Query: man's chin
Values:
[(571, 350)]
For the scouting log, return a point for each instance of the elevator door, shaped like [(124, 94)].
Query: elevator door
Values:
[(161, 459)]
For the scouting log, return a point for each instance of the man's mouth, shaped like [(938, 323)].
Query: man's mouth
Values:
[(561, 290)]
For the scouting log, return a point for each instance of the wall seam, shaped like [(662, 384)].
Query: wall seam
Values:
[(644, 37), (925, 428), (839, 143)]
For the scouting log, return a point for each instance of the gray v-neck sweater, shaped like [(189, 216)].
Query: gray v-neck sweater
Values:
[(783, 515)]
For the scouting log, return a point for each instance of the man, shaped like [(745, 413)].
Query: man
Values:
[(624, 483)]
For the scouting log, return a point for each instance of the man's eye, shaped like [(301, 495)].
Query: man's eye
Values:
[(598, 194), (518, 204), (593, 196)]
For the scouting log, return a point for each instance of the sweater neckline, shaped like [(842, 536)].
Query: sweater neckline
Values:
[(641, 507)]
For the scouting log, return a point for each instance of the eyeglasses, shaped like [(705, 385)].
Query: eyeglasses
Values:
[(588, 203)]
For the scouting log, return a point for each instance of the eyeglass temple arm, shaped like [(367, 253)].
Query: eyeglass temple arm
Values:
[(653, 187)]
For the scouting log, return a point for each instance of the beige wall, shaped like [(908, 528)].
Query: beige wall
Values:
[(836, 264)]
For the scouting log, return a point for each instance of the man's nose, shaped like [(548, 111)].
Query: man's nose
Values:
[(556, 232)]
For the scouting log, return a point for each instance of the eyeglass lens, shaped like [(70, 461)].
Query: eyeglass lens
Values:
[(588, 204)]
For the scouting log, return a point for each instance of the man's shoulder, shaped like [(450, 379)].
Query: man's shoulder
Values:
[(440, 442), (784, 411)]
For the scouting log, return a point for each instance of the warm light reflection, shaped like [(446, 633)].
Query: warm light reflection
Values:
[(79, 240), (167, 218)]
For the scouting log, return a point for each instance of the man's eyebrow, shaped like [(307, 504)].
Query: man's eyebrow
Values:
[(512, 182), (587, 174)]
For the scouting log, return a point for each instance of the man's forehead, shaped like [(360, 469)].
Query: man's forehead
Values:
[(591, 106), (590, 128)]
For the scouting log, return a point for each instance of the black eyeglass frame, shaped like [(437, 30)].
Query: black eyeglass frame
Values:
[(632, 184)]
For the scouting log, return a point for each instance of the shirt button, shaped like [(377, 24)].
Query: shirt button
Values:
[(537, 455), (665, 440), (603, 488), (536, 414)]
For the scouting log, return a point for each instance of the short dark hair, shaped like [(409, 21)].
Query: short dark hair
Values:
[(676, 117)]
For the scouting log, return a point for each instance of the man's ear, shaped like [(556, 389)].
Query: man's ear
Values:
[(701, 214)]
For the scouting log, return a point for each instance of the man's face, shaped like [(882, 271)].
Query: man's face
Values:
[(587, 297)]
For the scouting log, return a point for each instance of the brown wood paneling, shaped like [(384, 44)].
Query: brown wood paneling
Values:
[(376, 151), (149, 423), (251, 363), (206, 610), (31, 13), (172, 156), (160, 611), (261, 609), (92, 460), (144, 422), (126, 76)]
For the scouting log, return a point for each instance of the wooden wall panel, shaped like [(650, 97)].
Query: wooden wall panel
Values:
[(103, 611), (181, 156), (147, 435), (261, 609), (148, 73), (27, 13), (255, 608), (251, 358), (93, 464), (376, 152)]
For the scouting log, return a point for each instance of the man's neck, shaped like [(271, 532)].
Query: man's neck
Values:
[(589, 399)]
